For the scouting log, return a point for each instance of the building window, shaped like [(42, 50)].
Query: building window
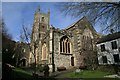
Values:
[(102, 47), (119, 49), (104, 58), (116, 58), (42, 19), (43, 28), (114, 45), (44, 52), (65, 45)]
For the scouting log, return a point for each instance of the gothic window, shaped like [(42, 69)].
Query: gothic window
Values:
[(43, 28), (65, 45), (68, 47), (44, 52), (42, 19)]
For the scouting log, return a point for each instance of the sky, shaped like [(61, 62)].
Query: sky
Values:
[(17, 13), (60, 0)]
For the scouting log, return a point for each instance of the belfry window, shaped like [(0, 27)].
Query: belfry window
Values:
[(65, 45), (42, 19)]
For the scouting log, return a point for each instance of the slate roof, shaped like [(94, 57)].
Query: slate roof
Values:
[(109, 37), (83, 21)]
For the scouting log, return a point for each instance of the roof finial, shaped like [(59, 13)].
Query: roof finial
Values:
[(39, 8)]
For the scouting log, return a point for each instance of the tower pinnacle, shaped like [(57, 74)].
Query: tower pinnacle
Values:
[(39, 8), (49, 11)]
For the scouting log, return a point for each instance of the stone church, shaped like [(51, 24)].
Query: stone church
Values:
[(67, 47)]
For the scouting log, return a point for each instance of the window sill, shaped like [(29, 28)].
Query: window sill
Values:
[(65, 53)]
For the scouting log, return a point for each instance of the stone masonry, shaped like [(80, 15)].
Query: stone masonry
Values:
[(68, 47)]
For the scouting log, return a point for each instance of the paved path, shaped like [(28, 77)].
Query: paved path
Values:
[(112, 76)]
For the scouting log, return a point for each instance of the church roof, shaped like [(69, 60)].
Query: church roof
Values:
[(74, 23), (109, 37), (83, 22)]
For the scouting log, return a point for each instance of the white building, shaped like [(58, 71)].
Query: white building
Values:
[(109, 49)]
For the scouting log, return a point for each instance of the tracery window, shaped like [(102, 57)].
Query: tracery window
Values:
[(44, 52), (65, 45)]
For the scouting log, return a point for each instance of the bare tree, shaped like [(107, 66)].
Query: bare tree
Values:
[(4, 30), (107, 14), (27, 36), (89, 52)]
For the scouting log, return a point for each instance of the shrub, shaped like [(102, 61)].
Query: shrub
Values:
[(40, 68), (46, 68), (32, 65), (92, 67), (106, 68)]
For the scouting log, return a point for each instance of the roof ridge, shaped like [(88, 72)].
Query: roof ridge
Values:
[(109, 37), (75, 22)]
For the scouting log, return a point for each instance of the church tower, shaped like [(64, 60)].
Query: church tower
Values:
[(38, 43), (40, 25)]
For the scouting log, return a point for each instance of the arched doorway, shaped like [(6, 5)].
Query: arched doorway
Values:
[(24, 62), (72, 61)]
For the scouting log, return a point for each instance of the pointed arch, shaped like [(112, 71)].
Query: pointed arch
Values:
[(44, 51), (65, 45)]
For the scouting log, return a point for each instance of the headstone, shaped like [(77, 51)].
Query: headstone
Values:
[(50, 66), (77, 71)]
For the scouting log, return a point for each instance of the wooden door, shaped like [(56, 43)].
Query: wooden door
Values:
[(72, 61)]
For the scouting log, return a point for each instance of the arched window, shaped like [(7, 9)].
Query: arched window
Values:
[(42, 19), (65, 45), (44, 52)]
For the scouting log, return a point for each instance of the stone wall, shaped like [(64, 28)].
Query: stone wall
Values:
[(62, 60), (75, 33)]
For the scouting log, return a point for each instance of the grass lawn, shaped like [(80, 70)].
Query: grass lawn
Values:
[(19, 73), (87, 74)]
